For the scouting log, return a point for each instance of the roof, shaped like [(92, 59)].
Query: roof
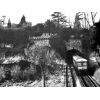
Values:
[(79, 59), (10, 60), (43, 36), (60, 62)]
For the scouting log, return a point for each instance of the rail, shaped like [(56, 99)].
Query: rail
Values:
[(88, 81)]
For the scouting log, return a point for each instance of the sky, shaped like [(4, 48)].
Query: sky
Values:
[(38, 11)]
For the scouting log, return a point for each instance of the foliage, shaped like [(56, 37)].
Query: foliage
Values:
[(38, 29), (15, 37), (59, 19), (39, 54), (16, 73), (29, 73), (2, 73), (58, 44), (96, 36), (45, 57), (49, 27)]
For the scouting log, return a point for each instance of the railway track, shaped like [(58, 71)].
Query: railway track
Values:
[(88, 81), (94, 81)]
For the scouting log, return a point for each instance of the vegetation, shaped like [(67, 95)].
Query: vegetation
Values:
[(43, 59), (20, 37), (96, 36)]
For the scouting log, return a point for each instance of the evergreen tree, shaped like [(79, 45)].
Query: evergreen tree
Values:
[(58, 18), (50, 27), (9, 24), (23, 20)]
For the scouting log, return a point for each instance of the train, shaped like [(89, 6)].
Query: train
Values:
[(84, 66), (80, 65)]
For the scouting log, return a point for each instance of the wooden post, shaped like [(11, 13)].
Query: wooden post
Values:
[(44, 85), (66, 76)]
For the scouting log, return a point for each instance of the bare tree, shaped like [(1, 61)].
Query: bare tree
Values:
[(77, 23), (82, 20), (87, 22), (93, 15)]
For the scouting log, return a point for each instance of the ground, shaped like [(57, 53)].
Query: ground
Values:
[(53, 81)]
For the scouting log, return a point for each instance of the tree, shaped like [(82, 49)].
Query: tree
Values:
[(65, 33), (42, 56), (38, 29), (9, 24), (86, 20), (77, 23), (59, 18), (23, 20), (58, 44), (93, 15), (96, 36), (49, 27)]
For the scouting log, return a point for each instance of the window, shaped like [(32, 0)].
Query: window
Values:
[(79, 64), (85, 64)]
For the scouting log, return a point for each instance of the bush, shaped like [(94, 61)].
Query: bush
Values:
[(2, 73), (38, 74), (28, 74), (16, 73)]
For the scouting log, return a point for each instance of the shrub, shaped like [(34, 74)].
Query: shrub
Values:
[(38, 74), (2, 73), (24, 65), (28, 74), (16, 73)]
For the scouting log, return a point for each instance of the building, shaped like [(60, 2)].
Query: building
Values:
[(42, 40)]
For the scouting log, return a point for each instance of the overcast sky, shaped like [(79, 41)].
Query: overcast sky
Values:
[(38, 11)]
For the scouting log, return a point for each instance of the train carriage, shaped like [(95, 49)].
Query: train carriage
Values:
[(80, 63)]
